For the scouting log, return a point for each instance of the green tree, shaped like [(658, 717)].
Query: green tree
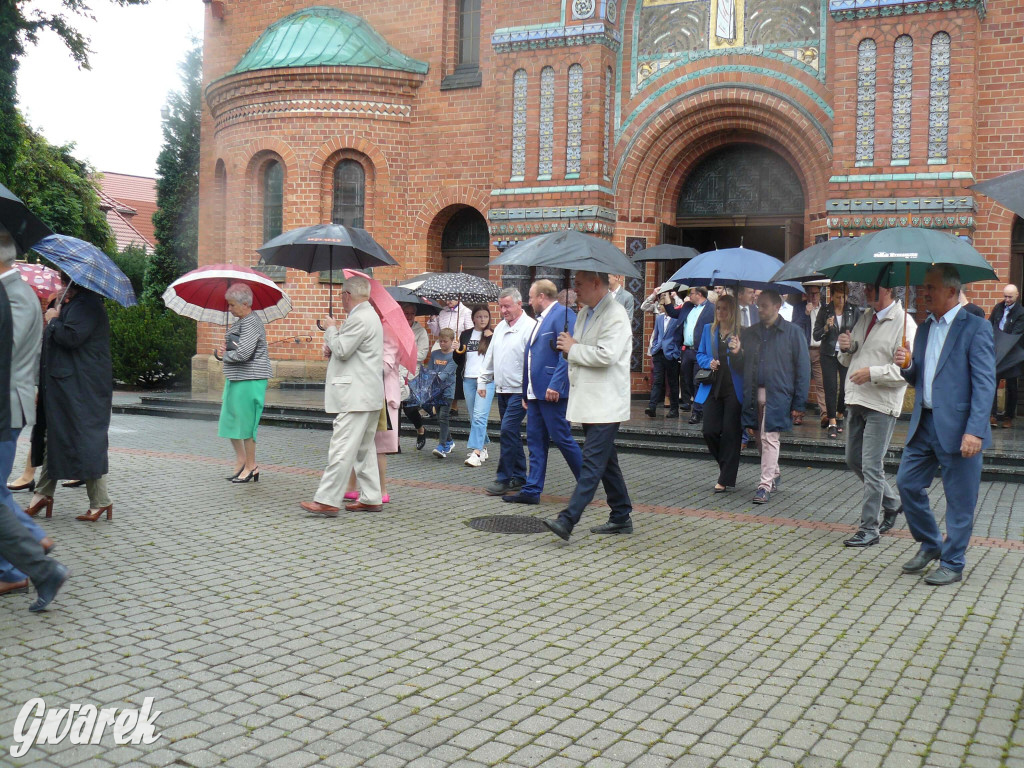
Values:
[(20, 23), (176, 221)]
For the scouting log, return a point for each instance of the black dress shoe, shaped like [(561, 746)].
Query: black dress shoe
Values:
[(609, 527), (685, 407), (651, 412), (29, 486), (920, 561), (889, 520), (943, 576), (496, 489), (558, 528), (861, 539), (672, 415), (695, 418), (521, 498), (47, 590)]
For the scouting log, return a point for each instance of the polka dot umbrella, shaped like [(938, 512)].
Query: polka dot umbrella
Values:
[(460, 286), (43, 280)]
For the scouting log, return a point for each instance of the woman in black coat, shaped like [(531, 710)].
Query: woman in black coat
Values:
[(833, 319), (76, 386)]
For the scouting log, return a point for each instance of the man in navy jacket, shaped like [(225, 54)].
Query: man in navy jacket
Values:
[(950, 425)]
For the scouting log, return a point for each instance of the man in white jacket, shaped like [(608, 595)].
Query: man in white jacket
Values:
[(598, 352), (874, 400)]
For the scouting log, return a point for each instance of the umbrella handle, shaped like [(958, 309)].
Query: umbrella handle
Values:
[(320, 325), (906, 311)]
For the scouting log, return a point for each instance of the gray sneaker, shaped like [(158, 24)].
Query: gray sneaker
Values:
[(496, 489)]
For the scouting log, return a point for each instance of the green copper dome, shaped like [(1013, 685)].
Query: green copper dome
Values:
[(324, 37)]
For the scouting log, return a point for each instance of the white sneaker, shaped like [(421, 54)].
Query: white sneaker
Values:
[(474, 460), (483, 454)]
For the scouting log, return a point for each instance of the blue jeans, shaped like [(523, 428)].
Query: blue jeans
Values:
[(960, 480), (512, 464), (546, 424), (479, 409), (600, 465), (8, 573)]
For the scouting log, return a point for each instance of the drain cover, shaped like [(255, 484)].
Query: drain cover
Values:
[(507, 524)]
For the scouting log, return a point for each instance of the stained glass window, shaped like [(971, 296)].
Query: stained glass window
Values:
[(574, 128), (519, 124), (866, 79), (902, 90), (938, 106), (547, 122)]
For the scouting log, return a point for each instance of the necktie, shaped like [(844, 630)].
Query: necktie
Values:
[(871, 325)]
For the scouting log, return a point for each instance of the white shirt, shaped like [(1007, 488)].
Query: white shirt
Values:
[(529, 361), (786, 310), (936, 339), (884, 313), (503, 363), (474, 360), (814, 319)]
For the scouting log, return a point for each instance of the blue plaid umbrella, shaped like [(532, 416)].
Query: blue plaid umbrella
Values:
[(88, 266)]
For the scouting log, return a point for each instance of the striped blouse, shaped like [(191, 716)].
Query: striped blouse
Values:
[(250, 360)]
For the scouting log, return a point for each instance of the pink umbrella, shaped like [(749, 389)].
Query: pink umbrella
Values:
[(199, 294), (43, 280), (392, 317)]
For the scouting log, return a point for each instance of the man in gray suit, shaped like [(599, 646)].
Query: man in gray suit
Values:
[(26, 342), (354, 391), (17, 544)]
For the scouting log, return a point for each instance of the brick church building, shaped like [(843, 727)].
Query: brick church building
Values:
[(451, 129)]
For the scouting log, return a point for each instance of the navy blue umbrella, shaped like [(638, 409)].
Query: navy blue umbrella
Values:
[(736, 267), (88, 266)]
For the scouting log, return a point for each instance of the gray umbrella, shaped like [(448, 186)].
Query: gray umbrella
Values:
[(803, 267), (569, 249), (667, 252), (404, 295), (1007, 190)]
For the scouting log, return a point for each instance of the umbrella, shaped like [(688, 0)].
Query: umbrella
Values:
[(458, 286), (324, 248), (412, 283), (22, 224), (1009, 352), (43, 280), (88, 266), (804, 266), (392, 318), (199, 294), (569, 249), (667, 252), (1007, 190), (404, 295), (902, 256), (735, 267)]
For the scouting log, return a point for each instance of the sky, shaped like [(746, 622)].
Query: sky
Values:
[(111, 112)]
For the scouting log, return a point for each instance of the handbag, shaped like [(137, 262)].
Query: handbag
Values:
[(705, 376)]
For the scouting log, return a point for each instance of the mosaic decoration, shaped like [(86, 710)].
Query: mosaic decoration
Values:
[(847, 224), (574, 132), (547, 122), (848, 10), (673, 32), (528, 39), (583, 9), (867, 56), (519, 124), (938, 108), (902, 82), (612, 11), (607, 137), (635, 285), (741, 180)]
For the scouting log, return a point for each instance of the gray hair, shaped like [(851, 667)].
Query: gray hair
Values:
[(8, 248), (239, 293), (949, 274), (511, 293), (358, 287)]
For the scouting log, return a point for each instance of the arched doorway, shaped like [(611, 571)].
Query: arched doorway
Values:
[(741, 194), (465, 246)]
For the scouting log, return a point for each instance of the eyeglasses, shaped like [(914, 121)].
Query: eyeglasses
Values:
[(348, 292)]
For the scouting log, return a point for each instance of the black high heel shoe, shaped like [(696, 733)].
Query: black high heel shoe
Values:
[(29, 486), (236, 473), (254, 476)]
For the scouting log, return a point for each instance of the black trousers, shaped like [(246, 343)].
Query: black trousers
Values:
[(687, 372), (1011, 398), (833, 377), (666, 375), (723, 432), (412, 413)]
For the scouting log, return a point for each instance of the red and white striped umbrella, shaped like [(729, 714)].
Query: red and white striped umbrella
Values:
[(199, 294)]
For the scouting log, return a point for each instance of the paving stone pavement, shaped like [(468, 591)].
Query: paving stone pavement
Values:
[(719, 634)]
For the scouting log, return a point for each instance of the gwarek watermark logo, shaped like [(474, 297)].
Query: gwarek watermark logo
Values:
[(82, 724)]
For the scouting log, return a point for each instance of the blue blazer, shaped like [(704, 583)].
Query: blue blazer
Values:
[(548, 369), (707, 316), (964, 384), (670, 340), (707, 352)]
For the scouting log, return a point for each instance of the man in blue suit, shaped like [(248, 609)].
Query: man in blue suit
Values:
[(664, 351), (953, 370), (693, 315), (546, 392)]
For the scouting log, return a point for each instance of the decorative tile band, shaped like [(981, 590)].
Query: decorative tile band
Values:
[(548, 190), (376, 110), (902, 205), (507, 41), (563, 212), (847, 10), (887, 222), (931, 176), (522, 230)]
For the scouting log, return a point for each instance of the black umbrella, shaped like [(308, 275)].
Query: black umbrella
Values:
[(1007, 190), (458, 286), (803, 267), (404, 295), (325, 248), (17, 219), (667, 252), (1009, 352), (569, 249)]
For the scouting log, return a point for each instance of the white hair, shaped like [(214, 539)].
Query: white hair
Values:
[(358, 287), (240, 293), (8, 249), (511, 293)]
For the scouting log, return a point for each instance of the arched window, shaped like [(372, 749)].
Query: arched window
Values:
[(469, 35), (938, 103), (574, 123), (220, 209), (902, 88), (519, 125), (273, 212), (545, 157), (349, 199), (866, 77)]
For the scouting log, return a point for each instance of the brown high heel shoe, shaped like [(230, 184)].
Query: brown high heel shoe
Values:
[(34, 509), (92, 517)]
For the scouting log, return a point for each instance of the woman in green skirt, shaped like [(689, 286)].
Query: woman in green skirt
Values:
[(246, 370)]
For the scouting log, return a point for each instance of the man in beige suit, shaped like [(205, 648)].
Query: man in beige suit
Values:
[(598, 351), (354, 391)]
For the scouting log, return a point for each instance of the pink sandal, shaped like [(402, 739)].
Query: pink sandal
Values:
[(352, 495), (385, 498)]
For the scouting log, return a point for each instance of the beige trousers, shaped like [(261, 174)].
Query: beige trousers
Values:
[(351, 448)]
